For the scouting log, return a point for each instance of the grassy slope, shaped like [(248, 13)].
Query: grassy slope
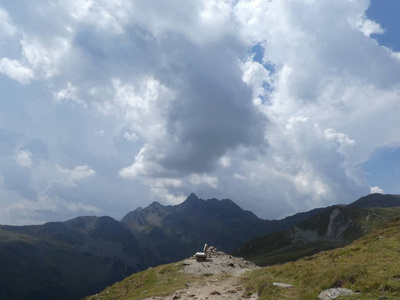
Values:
[(280, 247), (370, 265), (159, 281)]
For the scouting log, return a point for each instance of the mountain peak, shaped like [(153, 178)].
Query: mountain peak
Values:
[(192, 197), (155, 204), (191, 202)]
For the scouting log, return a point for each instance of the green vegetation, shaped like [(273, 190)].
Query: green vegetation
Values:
[(163, 280), (309, 237), (371, 266)]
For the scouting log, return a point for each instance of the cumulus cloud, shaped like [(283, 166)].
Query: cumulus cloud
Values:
[(23, 157), (376, 189), (16, 71), (44, 58), (366, 26), (6, 24), (137, 101)]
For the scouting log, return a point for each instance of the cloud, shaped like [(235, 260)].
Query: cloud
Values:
[(38, 212), (366, 26), (211, 181), (44, 57), (376, 189), (7, 28), (76, 174), (16, 71), (23, 157), (137, 101)]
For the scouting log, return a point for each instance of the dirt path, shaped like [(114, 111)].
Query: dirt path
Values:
[(223, 286)]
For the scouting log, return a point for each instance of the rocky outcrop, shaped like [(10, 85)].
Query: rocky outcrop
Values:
[(337, 225), (335, 293)]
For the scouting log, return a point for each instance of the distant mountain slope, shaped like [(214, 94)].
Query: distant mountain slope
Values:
[(66, 260), (377, 200), (176, 232), (334, 227)]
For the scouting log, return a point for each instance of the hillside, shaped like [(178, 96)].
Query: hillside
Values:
[(335, 227), (68, 260), (377, 200), (369, 267)]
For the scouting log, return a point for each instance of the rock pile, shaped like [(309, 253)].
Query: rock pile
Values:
[(217, 262)]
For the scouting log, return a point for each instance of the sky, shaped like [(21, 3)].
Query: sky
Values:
[(281, 106)]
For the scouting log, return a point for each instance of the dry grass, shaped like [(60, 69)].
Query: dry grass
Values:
[(163, 280), (371, 265)]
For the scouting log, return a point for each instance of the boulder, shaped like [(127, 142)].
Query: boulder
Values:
[(335, 293)]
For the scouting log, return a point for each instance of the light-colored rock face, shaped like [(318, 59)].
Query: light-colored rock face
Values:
[(335, 293), (336, 225)]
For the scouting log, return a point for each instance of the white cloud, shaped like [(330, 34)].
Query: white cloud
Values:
[(376, 189), (23, 158), (257, 76), (366, 26), (344, 142), (68, 94), (45, 58), (76, 174), (16, 71), (105, 15), (196, 179), (170, 97), (6, 25), (225, 161)]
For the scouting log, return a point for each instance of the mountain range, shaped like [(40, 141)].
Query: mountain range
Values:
[(68, 260)]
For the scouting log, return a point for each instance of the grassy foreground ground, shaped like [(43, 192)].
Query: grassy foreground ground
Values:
[(159, 281), (370, 265)]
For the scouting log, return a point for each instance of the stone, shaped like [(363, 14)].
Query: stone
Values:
[(215, 293), (283, 285), (335, 293)]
